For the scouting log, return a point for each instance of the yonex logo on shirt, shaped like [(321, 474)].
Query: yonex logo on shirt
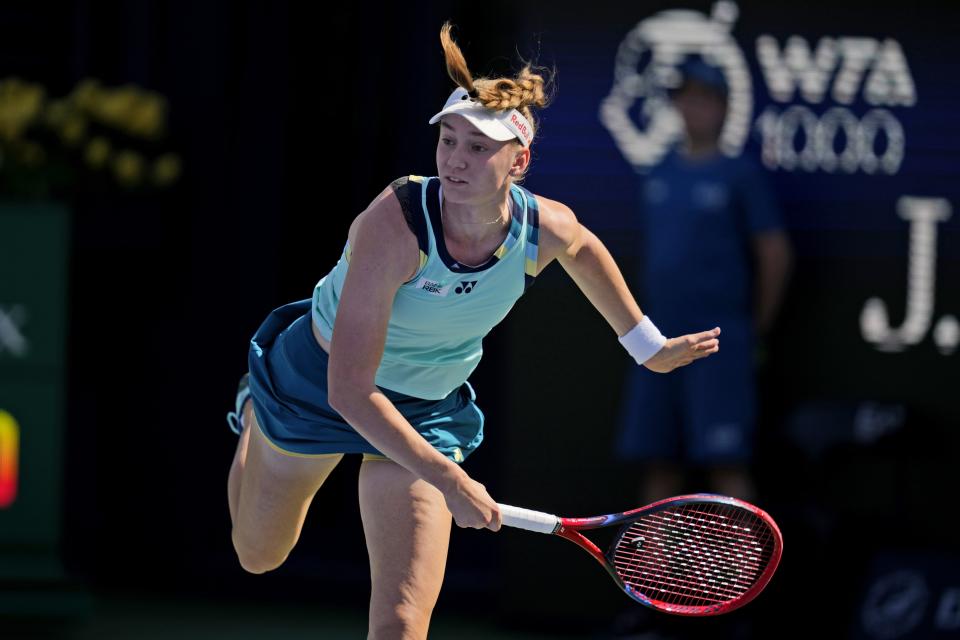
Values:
[(466, 286)]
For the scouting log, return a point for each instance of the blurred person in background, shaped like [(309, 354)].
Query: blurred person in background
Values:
[(714, 251)]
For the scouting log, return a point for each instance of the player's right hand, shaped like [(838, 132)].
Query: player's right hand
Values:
[(471, 505)]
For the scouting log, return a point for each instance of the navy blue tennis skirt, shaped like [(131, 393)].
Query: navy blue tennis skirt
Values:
[(288, 385)]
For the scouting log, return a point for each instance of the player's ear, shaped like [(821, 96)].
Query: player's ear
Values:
[(521, 160)]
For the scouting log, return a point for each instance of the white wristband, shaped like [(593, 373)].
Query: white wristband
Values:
[(643, 341)]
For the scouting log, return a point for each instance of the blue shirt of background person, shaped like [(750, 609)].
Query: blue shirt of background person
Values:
[(715, 251), (698, 218)]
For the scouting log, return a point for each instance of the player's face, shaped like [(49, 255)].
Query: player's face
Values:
[(480, 163), (702, 108)]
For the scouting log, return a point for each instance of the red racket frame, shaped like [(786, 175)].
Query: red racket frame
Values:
[(570, 528)]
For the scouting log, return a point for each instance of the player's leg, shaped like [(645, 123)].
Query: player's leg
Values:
[(273, 491), (239, 463), (271, 487), (407, 527)]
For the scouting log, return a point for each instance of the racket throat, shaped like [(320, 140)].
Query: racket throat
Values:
[(580, 540)]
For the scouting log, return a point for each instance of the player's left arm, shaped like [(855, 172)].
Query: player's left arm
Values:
[(588, 262)]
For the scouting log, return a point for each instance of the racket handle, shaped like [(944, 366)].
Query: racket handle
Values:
[(529, 520)]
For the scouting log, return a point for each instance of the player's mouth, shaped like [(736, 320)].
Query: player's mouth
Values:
[(452, 180)]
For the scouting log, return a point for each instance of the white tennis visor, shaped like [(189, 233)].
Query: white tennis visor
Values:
[(499, 125)]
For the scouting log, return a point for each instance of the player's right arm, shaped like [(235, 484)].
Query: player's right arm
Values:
[(384, 255)]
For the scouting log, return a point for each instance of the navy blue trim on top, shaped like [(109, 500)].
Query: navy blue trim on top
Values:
[(533, 233), (436, 221), (408, 193)]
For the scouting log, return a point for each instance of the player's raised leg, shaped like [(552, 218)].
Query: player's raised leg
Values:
[(236, 472), (273, 491), (407, 527)]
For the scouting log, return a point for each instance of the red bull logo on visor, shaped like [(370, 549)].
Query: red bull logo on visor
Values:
[(520, 126)]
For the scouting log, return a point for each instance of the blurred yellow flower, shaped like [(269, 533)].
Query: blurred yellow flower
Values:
[(85, 93), (97, 152), (86, 119), (128, 168), (56, 112), (166, 169), (73, 130), (20, 105), (147, 117)]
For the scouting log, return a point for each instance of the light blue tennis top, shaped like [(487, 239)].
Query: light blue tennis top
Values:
[(440, 316)]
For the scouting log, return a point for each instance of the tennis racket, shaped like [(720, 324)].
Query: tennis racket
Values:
[(694, 555)]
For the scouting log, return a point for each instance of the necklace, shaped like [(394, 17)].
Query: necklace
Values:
[(496, 220)]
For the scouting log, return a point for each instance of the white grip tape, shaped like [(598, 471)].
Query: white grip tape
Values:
[(529, 520)]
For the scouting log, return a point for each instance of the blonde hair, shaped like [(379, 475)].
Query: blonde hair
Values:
[(522, 92)]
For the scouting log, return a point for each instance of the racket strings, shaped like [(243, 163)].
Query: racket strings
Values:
[(709, 578), (701, 566), (697, 554)]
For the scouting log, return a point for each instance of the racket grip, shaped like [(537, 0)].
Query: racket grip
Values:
[(530, 520)]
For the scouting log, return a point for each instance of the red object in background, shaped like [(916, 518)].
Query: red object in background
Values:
[(9, 459)]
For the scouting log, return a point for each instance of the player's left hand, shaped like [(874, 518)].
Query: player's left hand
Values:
[(677, 352)]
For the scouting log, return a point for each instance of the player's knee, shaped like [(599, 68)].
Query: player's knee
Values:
[(257, 560), (403, 621)]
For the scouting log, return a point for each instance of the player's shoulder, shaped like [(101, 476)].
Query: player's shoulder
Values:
[(407, 189), (557, 220), (394, 201), (386, 217), (409, 182)]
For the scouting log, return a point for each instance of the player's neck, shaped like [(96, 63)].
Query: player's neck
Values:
[(475, 222)]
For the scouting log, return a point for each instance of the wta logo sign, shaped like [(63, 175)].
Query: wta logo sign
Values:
[(647, 67), (829, 102), (9, 458)]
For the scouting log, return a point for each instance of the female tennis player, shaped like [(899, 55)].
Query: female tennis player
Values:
[(377, 361)]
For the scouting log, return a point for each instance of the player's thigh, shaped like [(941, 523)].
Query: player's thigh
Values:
[(407, 527), (275, 493)]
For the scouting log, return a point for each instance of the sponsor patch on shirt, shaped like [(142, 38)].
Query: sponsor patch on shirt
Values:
[(436, 288)]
